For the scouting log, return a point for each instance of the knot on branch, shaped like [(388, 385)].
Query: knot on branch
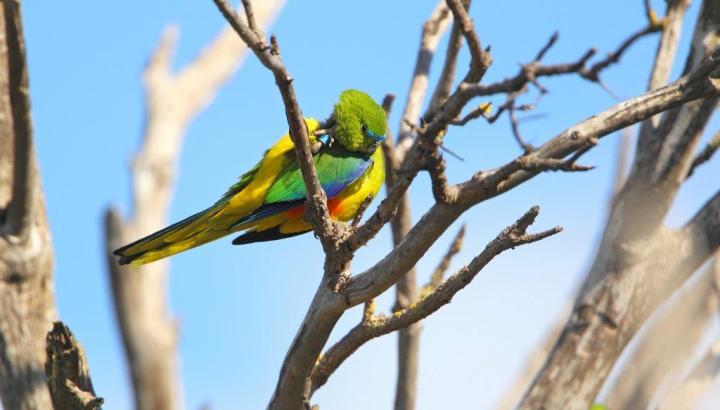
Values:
[(516, 234)]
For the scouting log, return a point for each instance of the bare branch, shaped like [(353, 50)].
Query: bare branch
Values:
[(706, 153), (447, 77), (316, 208), (413, 160), (480, 59), (18, 218), (432, 31), (439, 272), (511, 237), (68, 376), (667, 155), (664, 58), (593, 73), (436, 168), (378, 278)]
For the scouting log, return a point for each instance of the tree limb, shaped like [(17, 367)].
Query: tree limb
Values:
[(372, 282), (442, 294), (707, 152), (664, 58), (432, 31)]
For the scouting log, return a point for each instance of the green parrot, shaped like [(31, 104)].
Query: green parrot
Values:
[(268, 202)]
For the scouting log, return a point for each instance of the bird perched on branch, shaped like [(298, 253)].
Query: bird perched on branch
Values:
[(268, 202)]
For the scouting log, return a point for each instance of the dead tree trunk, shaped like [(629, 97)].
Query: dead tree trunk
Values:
[(27, 307)]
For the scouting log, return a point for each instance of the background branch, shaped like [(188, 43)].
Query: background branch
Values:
[(432, 32), (668, 342), (172, 101)]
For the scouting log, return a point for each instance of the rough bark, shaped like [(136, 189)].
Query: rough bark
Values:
[(68, 376), (27, 307), (140, 293)]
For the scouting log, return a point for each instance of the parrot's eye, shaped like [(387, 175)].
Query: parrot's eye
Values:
[(364, 129)]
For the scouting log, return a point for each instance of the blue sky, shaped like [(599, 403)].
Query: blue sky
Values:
[(239, 307)]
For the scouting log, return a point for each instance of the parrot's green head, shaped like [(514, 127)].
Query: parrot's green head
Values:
[(360, 123)]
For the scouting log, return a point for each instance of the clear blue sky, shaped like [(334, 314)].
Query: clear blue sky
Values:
[(239, 307)]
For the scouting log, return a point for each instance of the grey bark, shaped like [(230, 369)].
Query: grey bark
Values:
[(27, 307)]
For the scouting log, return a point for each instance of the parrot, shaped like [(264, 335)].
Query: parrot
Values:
[(268, 202)]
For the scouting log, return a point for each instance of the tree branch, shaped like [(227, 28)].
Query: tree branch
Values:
[(707, 152), (432, 31), (664, 58), (372, 282), (439, 273), (316, 208), (19, 212), (511, 237), (480, 59)]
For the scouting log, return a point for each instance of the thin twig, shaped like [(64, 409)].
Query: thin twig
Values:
[(480, 59), (447, 76), (706, 153), (439, 272)]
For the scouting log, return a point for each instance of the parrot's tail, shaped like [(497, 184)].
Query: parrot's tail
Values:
[(178, 237)]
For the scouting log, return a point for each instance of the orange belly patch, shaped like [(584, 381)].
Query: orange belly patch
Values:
[(334, 207)]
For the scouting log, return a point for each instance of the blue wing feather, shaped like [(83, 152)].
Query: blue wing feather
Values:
[(337, 169)]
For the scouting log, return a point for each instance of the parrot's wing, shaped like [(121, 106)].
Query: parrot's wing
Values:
[(336, 170)]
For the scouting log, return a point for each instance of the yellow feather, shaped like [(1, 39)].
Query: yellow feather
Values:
[(251, 197), (213, 223)]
